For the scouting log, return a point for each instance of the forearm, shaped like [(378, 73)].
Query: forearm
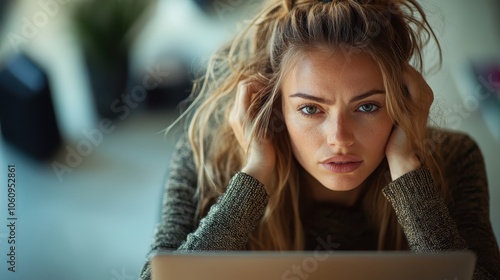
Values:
[(422, 213), (232, 219), (227, 225), (425, 218)]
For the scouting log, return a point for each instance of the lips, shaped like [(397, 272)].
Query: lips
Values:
[(342, 163)]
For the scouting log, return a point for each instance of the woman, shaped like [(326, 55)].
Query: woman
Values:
[(311, 127)]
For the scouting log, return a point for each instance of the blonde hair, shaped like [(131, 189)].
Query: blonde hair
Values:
[(393, 32)]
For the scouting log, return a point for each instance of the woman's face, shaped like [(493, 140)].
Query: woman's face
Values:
[(335, 113)]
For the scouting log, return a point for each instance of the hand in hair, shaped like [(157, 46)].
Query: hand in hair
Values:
[(402, 158), (260, 153)]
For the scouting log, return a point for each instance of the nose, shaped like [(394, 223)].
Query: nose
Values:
[(340, 132)]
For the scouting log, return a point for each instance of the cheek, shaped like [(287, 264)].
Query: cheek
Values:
[(376, 134), (295, 131), (303, 136), (385, 129)]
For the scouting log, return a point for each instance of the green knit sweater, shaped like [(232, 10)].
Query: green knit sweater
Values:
[(428, 222)]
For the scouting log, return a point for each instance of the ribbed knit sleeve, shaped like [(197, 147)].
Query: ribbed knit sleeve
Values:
[(431, 225), (227, 225), (422, 213), (232, 219)]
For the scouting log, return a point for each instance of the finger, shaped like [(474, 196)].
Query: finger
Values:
[(410, 76), (419, 90), (243, 99), (238, 115), (246, 98), (239, 102), (415, 82)]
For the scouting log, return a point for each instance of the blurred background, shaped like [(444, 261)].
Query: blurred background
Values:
[(87, 86)]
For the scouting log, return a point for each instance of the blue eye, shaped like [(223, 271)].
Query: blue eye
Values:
[(368, 108), (309, 110)]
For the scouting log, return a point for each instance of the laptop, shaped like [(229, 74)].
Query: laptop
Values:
[(312, 265)]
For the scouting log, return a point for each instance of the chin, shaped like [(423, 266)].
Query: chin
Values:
[(341, 184), (342, 188)]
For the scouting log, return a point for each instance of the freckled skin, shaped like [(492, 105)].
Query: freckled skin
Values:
[(341, 127)]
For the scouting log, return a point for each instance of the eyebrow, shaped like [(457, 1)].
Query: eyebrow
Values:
[(329, 102)]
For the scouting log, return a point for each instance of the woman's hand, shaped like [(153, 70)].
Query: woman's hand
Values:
[(261, 156), (401, 158)]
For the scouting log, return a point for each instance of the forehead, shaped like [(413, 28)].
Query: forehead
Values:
[(328, 70)]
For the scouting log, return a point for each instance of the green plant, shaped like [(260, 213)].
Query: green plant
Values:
[(107, 28)]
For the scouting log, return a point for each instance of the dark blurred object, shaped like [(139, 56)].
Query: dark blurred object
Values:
[(205, 5), (223, 8), (4, 7), (487, 73), (485, 93), (168, 83), (27, 115), (108, 81), (106, 30)]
